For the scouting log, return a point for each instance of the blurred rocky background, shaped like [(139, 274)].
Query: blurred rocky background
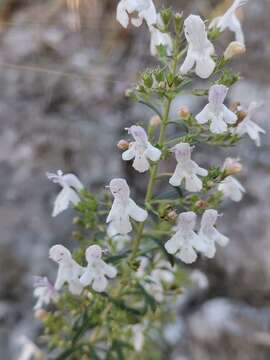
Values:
[(63, 73)]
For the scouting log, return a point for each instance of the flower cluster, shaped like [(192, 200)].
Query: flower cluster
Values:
[(185, 240), (113, 302)]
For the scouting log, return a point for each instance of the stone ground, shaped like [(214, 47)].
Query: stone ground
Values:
[(70, 117)]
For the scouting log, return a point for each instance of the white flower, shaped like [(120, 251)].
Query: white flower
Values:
[(162, 273), (247, 126), (209, 234), (145, 8), (44, 291), (232, 188), (160, 38), (28, 349), (68, 272), (200, 48), (123, 207), (199, 279), (97, 270), (216, 112), (138, 336), (141, 150), (232, 166), (230, 20), (71, 186), (186, 169), (185, 241)]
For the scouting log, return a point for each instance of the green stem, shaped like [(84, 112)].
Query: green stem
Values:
[(155, 167)]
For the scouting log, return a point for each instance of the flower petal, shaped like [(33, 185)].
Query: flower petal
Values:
[(205, 66), (173, 244), (100, 283), (136, 212), (187, 254), (188, 63), (152, 153), (204, 116)]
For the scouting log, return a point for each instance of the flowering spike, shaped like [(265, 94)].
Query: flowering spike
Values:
[(186, 169), (200, 48)]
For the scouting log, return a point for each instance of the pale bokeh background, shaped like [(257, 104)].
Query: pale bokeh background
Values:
[(62, 106)]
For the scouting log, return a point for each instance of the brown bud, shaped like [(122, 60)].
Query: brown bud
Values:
[(76, 235), (155, 121), (232, 166), (235, 48), (241, 116), (41, 314), (123, 145), (201, 204), (184, 112), (235, 106)]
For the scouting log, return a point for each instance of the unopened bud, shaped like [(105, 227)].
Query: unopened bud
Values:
[(184, 112), (162, 85), (232, 166), (123, 145), (201, 204), (235, 106), (41, 314), (172, 215), (89, 295), (241, 116), (76, 220), (76, 235), (235, 48), (128, 92), (155, 121)]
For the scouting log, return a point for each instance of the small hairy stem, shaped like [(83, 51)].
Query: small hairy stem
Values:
[(155, 167)]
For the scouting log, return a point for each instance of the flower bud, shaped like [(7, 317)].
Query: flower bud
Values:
[(76, 220), (123, 145), (155, 121), (172, 215), (235, 48), (128, 92), (41, 314), (241, 116), (184, 112), (235, 106), (201, 204), (162, 85), (232, 166)]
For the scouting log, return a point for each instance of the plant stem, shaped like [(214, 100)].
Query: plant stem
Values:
[(154, 170)]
